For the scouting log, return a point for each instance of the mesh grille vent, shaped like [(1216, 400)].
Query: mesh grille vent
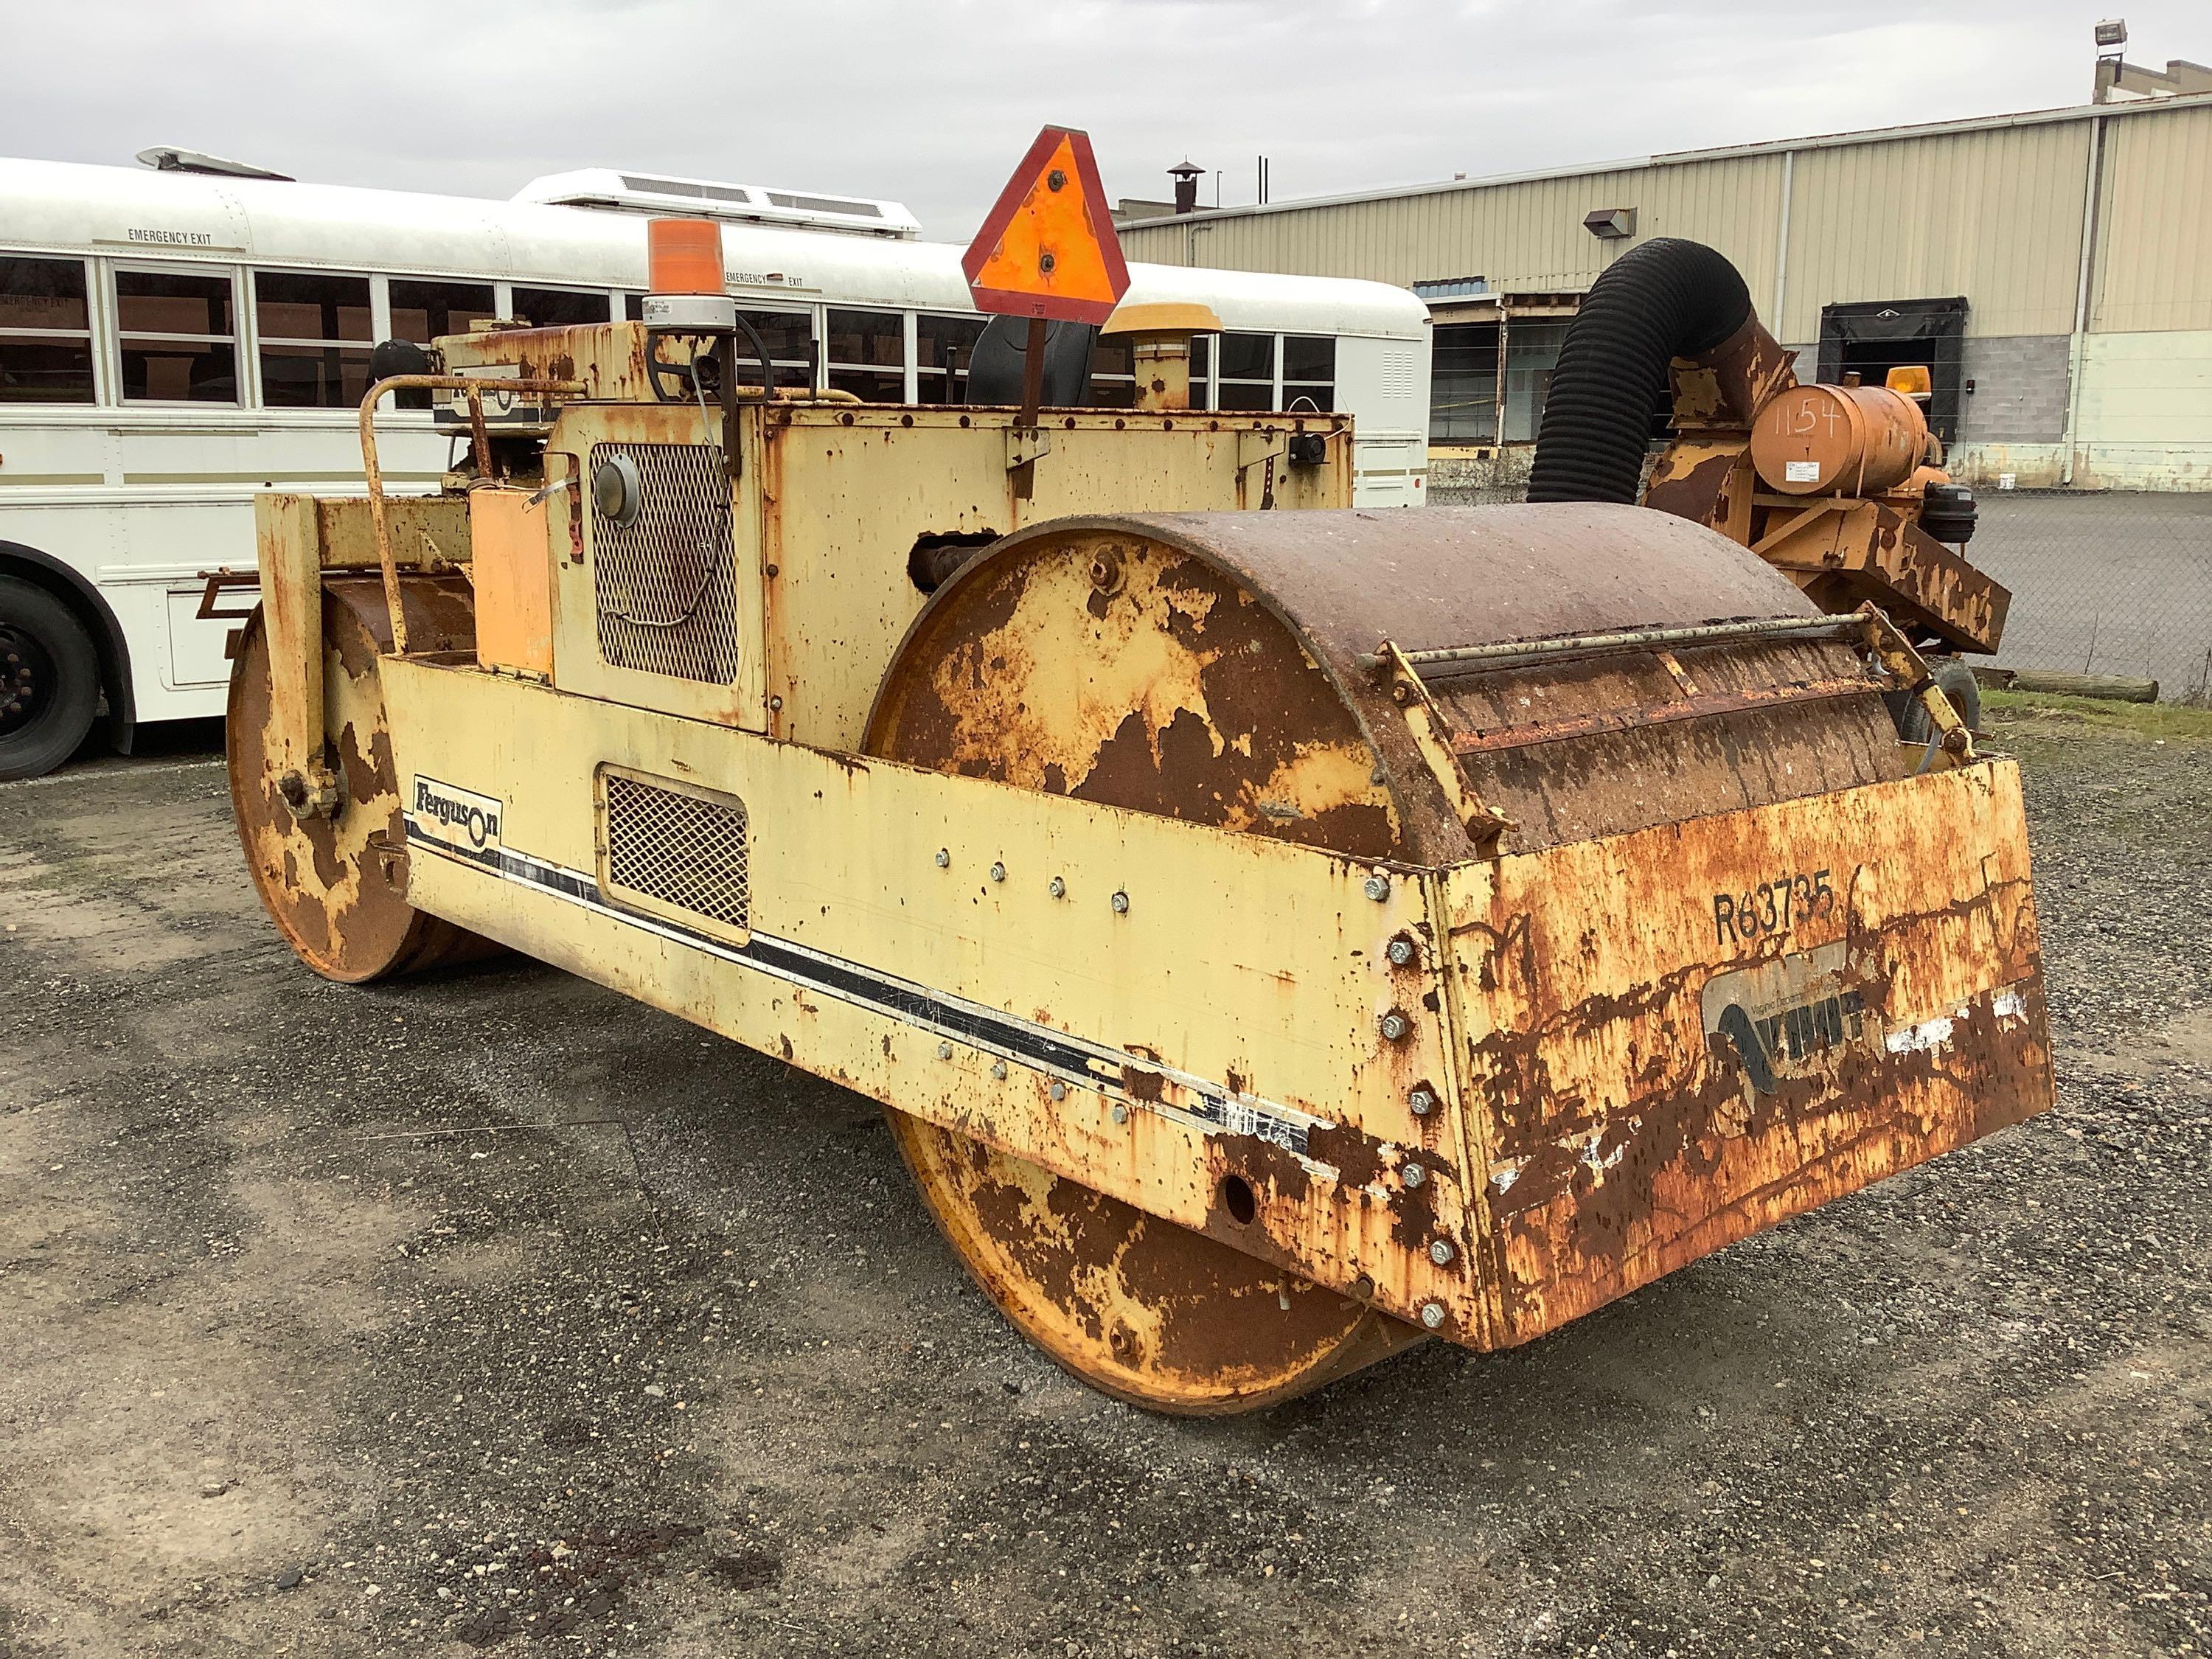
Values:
[(679, 850), (666, 585)]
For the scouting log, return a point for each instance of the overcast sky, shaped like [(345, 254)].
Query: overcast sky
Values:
[(932, 103)]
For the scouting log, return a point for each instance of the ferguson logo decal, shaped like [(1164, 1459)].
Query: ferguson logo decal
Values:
[(461, 819), (1786, 1018)]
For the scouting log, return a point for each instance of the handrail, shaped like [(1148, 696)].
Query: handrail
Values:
[(1432, 664), (1899, 660), (473, 388)]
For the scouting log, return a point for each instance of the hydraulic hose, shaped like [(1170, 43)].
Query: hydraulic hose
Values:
[(1663, 298)]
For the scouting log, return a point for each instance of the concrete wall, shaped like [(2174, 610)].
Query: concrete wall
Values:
[(1465, 478), (2144, 419), (2146, 413), (2020, 390)]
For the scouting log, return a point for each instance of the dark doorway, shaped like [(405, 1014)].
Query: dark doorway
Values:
[(1463, 383), (1873, 338)]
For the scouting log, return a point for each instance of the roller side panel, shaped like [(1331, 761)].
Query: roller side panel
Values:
[(1232, 1007)]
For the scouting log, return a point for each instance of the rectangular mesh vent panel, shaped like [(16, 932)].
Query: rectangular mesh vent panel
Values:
[(678, 850), (665, 585)]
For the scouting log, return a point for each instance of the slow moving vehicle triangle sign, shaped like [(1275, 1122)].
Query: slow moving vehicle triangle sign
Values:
[(1047, 249)]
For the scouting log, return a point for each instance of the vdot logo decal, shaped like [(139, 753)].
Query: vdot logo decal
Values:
[(1788, 1017), (460, 819)]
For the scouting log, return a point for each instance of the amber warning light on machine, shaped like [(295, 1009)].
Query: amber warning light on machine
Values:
[(1048, 248), (683, 277), (1910, 381), (684, 255)]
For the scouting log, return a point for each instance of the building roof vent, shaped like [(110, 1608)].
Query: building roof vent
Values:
[(640, 192)]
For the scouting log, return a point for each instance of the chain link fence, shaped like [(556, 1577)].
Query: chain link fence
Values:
[(2105, 584)]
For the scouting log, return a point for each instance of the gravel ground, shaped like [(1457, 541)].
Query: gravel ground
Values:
[(491, 1312)]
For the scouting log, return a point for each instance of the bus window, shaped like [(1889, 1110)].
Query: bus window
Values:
[(1309, 371), (943, 348), (1247, 372), (315, 338), (1113, 372), (560, 307), (789, 338), (1201, 371), (423, 310), (179, 337), (46, 332), (868, 355)]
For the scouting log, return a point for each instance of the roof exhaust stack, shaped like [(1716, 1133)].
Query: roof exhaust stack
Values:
[(1186, 178)]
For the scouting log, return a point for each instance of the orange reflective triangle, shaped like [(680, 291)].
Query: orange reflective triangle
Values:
[(1047, 249)]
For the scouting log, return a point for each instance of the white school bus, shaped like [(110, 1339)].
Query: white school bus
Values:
[(173, 340)]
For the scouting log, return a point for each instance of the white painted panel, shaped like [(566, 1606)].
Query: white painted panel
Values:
[(2154, 389), (195, 647)]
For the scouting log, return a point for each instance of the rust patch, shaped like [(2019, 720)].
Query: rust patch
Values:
[(1168, 689), (1139, 1307), (1625, 1141), (1140, 1083), (1602, 746), (324, 880), (1697, 1172)]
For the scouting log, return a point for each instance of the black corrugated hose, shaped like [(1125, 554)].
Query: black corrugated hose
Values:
[(1663, 298)]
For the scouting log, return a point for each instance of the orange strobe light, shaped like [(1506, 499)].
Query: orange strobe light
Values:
[(684, 255)]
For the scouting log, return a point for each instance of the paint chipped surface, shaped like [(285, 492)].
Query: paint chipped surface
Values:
[(1117, 670), (1629, 1129), (327, 886)]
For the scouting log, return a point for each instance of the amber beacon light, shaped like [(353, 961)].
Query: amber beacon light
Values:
[(684, 274)]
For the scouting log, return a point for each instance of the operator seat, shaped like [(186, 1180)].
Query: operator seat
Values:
[(994, 368)]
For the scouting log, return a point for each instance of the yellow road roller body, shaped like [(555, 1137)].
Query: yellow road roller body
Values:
[(1278, 932)]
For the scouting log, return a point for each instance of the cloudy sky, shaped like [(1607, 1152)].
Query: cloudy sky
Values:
[(933, 101)]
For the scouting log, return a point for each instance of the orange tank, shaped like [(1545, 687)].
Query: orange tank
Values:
[(1819, 440), (684, 255)]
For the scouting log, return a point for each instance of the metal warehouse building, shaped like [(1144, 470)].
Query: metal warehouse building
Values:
[(2054, 269)]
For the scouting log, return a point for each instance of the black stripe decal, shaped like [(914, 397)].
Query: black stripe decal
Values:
[(1086, 1064)]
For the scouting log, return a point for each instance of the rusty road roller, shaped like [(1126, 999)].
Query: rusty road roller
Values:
[(1278, 932)]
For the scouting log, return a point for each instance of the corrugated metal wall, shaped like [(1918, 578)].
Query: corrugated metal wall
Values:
[(1994, 214), (2155, 232), (1524, 237)]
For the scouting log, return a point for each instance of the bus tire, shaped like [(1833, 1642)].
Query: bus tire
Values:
[(49, 680)]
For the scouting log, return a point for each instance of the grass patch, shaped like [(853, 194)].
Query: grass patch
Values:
[(2041, 710)]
